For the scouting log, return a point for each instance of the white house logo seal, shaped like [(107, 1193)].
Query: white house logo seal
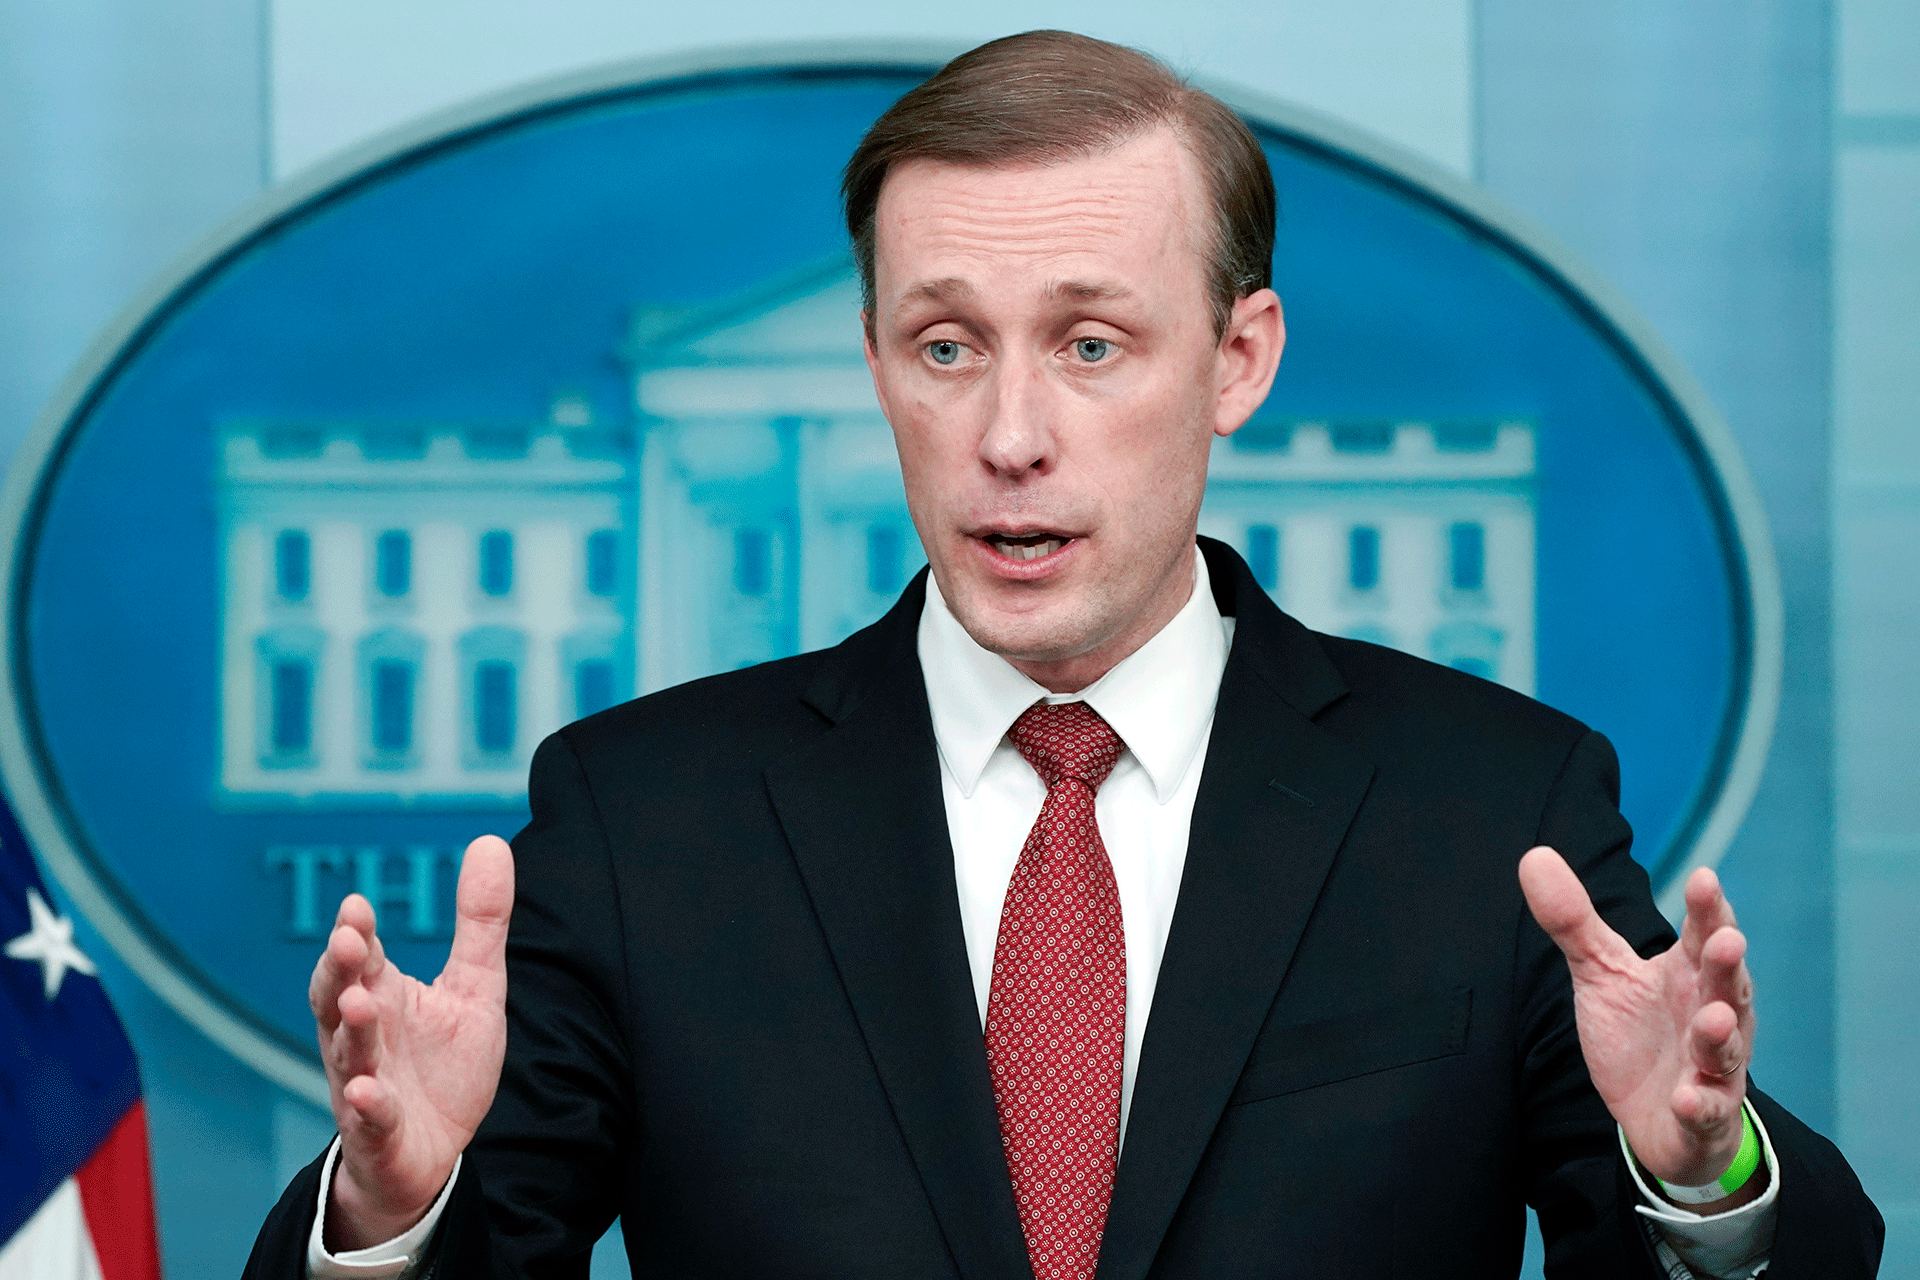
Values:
[(560, 400)]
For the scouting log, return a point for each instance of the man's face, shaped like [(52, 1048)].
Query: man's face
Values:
[(1043, 346)]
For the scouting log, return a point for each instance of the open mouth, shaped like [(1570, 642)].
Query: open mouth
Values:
[(1028, 546)]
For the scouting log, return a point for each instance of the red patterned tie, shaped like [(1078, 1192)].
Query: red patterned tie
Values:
[(1057, 1012)]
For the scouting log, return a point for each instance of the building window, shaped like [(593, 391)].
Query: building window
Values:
[(390, 662), (1263, 555), (393, 443), (603, 562), (493, 706), (392, 718), (592, 686), (490, 662), (293, 440), (1361, 437), (496, 562), (752, 561), (1472, 647), (393, 563), (885, 550), (497, 440), (1363, 557), (1467, 556), (292, 564), (290, 730), (1465, 437), (286, 681), (1264, 435), (590, 666)]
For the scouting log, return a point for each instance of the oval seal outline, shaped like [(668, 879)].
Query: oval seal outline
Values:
[(1712, 818)]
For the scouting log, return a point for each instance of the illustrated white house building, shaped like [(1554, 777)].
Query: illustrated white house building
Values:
[(772, 516), (1415, 535), (409, 607)]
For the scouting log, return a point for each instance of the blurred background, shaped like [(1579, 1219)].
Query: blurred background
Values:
[(1746, 175)]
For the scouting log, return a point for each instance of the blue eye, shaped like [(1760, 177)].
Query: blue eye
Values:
[(943, 352), (1093, 349)]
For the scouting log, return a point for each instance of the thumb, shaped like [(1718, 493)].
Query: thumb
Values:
[(1560, 905), (483, 905)]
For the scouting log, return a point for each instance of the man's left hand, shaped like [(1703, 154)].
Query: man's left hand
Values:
[(1666, 1040)]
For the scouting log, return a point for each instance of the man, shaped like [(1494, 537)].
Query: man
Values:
[(1234, 905)]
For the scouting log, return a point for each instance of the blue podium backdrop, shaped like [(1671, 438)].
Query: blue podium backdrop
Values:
[(567, 404)]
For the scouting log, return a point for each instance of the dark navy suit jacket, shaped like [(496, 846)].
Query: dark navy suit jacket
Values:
[(741, 1015)]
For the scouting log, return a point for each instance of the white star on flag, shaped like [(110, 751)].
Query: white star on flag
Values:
[(50, 942)]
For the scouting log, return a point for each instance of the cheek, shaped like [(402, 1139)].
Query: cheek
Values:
[(1160, 455), (929, 457)]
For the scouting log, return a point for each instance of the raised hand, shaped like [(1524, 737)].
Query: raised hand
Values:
[(1667, 1039), (412, 1068)]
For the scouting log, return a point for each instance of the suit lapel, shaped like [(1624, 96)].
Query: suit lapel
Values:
[(1274, 804), (863, 812)]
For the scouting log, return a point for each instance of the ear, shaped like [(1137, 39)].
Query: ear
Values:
[(1249, 354)]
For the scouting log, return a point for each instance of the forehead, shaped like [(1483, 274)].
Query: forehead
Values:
[(1137, 210)]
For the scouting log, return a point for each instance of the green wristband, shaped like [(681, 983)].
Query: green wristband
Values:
[(1736, 1176)]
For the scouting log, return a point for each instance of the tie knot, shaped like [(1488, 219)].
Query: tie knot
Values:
[(1067, 740)]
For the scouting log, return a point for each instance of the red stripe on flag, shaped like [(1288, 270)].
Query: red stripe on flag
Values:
[(116, 1191)]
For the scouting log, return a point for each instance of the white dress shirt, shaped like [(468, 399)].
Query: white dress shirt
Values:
[(1160, 700)]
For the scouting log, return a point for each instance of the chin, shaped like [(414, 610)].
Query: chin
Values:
[(1053, 633)]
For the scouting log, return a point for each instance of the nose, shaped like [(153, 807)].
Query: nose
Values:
[(1018, 440)]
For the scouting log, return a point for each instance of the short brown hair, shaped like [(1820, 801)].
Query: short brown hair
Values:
[(1054, 95)]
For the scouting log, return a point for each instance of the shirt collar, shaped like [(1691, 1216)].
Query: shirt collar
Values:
[(1159, 698)]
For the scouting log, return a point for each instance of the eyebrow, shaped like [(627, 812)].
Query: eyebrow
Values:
[(1088, 291), (954, 289), (945, 289)]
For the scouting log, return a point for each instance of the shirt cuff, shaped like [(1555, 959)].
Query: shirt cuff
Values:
[(395, 1259), (1736, 1243)]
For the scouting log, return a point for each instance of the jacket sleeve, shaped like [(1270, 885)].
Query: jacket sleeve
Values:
[(1577, 1178), (1826, 1225), (547, 1163)]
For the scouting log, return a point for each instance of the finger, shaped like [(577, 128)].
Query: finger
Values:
[(483, 906), (1717, 1045), (340, 965), (356, 913), (1723, 971), (376, 959), (374, 1112), (1560, 904), (356, 1042), (340, 961), (1709, 1114), (1708, 911)]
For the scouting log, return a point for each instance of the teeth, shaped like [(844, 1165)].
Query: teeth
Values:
[(1028, 551)]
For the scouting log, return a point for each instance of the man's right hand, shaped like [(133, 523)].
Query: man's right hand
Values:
[(412, 1068)]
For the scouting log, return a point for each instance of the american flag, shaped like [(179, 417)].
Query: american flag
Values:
[(76, 1197)]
